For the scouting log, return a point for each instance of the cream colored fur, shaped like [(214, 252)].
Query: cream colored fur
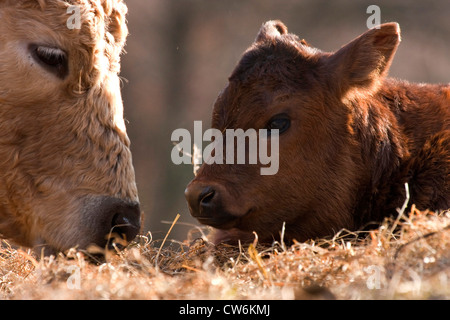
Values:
[(62, 141)]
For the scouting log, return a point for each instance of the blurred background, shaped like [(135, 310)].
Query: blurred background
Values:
[(181, 52)]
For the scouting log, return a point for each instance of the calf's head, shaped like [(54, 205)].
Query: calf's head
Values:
[(283, 83), (66, 175)]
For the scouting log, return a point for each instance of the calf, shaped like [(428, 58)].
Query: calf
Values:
[(349, 140), (66, 176)]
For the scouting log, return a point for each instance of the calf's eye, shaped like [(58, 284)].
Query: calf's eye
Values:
[(52, 59), (282, 122)]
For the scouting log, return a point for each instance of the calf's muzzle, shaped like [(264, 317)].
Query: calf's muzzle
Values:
[(206, 204)]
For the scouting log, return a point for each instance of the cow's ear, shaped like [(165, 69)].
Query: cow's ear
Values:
[(365, 61), (270, 30)]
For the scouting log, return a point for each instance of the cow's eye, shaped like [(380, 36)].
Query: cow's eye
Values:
[(52, 59), (282, 122)]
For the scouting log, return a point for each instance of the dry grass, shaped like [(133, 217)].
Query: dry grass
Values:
[(411, 263)]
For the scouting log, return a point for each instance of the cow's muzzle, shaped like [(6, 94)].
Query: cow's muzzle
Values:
[(111, 220)]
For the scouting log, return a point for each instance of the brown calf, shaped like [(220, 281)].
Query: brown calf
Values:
[(350, 138), (66, 176)]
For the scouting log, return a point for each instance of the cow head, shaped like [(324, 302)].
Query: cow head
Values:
[(66, 174)]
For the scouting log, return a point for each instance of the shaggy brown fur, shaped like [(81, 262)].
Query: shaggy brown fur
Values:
[(63, 146), (355, 138)]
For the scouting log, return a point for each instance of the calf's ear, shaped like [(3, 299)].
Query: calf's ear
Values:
[(270, 30), (365, 61)]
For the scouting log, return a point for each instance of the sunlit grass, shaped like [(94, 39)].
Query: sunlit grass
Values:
[(411, 261)]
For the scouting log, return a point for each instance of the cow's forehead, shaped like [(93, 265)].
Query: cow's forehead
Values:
[(99, 18), (94, 46), (99, 38)]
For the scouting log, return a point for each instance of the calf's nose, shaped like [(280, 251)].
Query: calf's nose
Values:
[(209, 205), (202, 200)]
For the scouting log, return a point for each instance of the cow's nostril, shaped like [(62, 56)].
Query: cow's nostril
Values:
[(111, 220), (124, 227), (126, 222)]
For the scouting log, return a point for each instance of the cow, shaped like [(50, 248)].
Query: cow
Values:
[(350, 138), (66, 173)]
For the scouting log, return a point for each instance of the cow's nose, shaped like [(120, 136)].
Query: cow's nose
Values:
[(126, 220), (116, 217)]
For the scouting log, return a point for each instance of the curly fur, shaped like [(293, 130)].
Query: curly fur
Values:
[(63, 141)]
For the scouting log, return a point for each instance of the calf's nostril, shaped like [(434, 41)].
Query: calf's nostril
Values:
[(207, 196), (202, 200)]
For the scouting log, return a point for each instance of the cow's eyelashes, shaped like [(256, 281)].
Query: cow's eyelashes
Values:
[(52, 59), (282, 122)]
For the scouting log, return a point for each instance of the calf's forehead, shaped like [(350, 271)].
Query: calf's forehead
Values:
[(263, 80), (242, 107)]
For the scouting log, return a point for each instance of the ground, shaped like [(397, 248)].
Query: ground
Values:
[(405, 258)]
